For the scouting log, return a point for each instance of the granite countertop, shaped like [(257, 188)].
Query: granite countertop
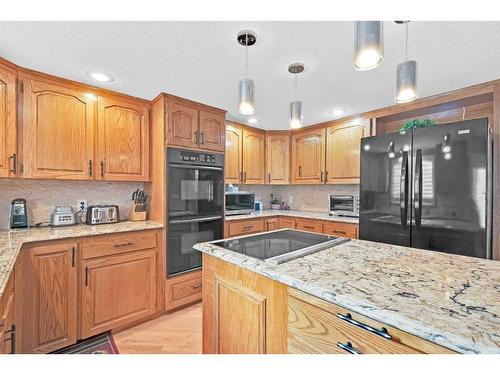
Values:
[(11, 241), (294, 213), (451, 300)]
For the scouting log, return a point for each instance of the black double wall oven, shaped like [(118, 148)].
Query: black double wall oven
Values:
[(195, 202)]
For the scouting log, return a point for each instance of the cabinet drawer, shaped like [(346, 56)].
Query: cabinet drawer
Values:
[(341, 229), (98, 246), (183, 289), (316, 326), (245, 227), (286, 222), (309, 225)]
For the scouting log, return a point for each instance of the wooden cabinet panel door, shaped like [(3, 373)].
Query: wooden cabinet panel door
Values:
[(278, 159), (233, 163), (212, 130), (254, 168), (8, 133), (123, 140), (117, 290), (308, 157), (182, 125), (343, 143), (58, 131), (50, 298)]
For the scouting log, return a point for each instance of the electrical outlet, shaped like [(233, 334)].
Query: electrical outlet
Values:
[(81, 204)]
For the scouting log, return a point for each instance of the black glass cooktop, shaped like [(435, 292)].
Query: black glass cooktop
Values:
[(280, 246)]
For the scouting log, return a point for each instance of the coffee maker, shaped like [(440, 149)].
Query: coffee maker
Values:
[(18, 214)]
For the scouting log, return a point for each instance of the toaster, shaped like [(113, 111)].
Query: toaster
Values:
[(102, 214), (62, 216)]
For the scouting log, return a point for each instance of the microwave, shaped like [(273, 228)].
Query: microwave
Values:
[(238, 203), (343, 205)]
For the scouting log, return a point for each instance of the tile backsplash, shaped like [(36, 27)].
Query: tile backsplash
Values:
[(300, 197), (43, 195)]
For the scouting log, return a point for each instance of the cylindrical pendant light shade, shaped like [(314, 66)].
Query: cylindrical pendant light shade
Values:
[(296, 117), (246, 102), (368, 45), (406, 84)]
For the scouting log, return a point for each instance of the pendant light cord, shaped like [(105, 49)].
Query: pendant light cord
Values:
[(295, 92), (246, 56), (406, 43)]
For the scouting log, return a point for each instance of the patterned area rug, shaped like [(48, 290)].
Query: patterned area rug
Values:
[(102, 344)]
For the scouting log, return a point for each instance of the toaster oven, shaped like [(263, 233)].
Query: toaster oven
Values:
[(238, 203), (343, 205)]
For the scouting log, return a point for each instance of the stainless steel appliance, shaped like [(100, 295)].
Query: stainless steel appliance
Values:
[(343, 205), (62, 216), (195, 196), (238, 203), (280, 246), (18, 213), (429, 188), (102, 214)]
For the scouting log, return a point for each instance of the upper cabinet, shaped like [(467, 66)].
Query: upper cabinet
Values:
[(278, 158), (245, 155), (308, 156), (8, 133), (123, 139), (58, 130), (343, 143), (194, 125)]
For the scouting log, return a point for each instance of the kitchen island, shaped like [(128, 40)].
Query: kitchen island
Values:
[(426, 302)]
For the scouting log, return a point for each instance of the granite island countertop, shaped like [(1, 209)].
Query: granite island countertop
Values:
[(294, 213), (11, 241), (451, 300)]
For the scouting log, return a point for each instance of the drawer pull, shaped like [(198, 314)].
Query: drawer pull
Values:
[(339, 232), (197, 286), (248, 227), (382, 332), (123, 244), (348, 348)]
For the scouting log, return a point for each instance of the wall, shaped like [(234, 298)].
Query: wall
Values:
[(43, 195), (300, 197)]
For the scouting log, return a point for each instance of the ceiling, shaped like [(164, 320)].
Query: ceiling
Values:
[(202, 61)]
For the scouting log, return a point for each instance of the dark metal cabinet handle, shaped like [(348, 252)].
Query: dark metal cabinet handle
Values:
[(241, 176), (326, 176), (196, 136), (403, 191), (300, 171), (123, 244), (90, 168), (348, 348), (269, 177), (197, 286), (14, 163), (203, 137), (245, 176), (102, 168), (249, 227), (86, 276), (73, 251), (379, 332), (321, 178), (12, 338)]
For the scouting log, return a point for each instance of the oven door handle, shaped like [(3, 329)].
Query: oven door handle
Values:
[(187, 166), (197, 220)]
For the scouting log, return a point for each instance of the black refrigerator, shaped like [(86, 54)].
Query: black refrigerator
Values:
[(429, 188)]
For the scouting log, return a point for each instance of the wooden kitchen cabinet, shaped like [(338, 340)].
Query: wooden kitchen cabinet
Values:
[(319, 327), (286, 222), (241, 227), (253, 157), (58, 130), (271, 224), (183, 289), (7, 318), (182, 125), (339, 229), (117, 290), (8, 124), (212, 130), (309, 225), (343, 142), (308, 157), (123, 139), (233, 157), (278, 158), (49, 297)]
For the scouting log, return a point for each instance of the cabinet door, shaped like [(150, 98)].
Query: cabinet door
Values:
[(271, 224), (8, 134), (253, 157), (123, 140), (182, 125), (343, 143), (308, 157), (233, 164), (49, 298), (286, 222), (278, 159), (117, 290), (212, 130), (58, 131)]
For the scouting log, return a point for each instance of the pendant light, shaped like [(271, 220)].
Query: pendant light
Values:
[(406, 80), (246, 92), (296, 116), (368, 45)]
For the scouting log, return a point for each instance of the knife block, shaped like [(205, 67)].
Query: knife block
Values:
[(136, 215)]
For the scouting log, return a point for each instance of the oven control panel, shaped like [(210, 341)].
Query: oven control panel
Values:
[(196, 157)]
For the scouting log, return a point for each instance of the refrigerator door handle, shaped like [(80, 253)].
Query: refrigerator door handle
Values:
[(418, 191), (403, 192)]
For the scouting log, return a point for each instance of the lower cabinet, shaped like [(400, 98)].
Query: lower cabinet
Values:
[(242, 227), (340, 229), (117, 290), (7, 323), (309, 225), (271, 224), (286, 222), (183, 289)]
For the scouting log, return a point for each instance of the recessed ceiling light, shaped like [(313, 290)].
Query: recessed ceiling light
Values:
[(100, 76), (253, 121), (337, 112)]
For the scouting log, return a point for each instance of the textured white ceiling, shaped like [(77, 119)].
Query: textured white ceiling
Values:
[(202, 60)]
